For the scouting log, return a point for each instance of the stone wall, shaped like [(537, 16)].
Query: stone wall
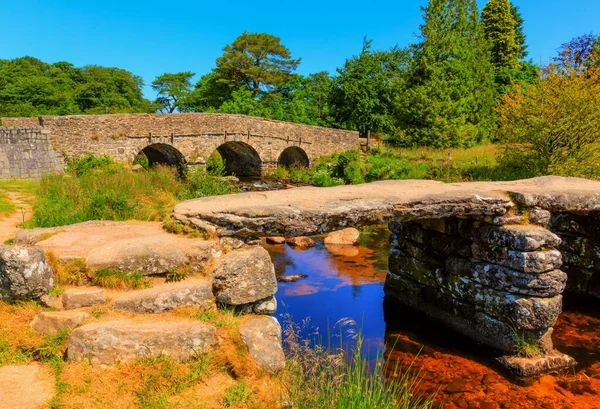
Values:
[(26, 153), (195, 135)]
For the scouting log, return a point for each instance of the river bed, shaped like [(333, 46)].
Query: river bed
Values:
[(347, 282)]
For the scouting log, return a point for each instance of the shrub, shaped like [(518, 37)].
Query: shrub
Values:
[(88, 162)]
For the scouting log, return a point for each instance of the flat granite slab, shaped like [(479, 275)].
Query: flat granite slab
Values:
[(314, 210)]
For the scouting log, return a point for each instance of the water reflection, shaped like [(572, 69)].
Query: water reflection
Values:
[(348, 282)]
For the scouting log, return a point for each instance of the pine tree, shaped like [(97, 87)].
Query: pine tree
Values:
[(519, 34), (449, 96), (500, 30)]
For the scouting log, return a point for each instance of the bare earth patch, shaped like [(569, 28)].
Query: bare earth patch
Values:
[(26, 386)]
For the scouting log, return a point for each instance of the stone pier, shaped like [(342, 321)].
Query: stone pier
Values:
[(489, 259)]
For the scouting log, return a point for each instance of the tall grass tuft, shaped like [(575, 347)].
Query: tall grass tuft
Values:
[(319, 377)]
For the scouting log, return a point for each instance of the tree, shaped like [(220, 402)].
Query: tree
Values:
[(500, 29), (363, 89), (554, 127), (172, 89), (257, 61), (208, 94), (519, 33), (448, 97), (579, 53)]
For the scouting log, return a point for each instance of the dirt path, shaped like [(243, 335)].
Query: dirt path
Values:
[(8, 224)]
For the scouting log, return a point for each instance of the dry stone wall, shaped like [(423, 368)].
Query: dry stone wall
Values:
[(195, 135), (26, 152)]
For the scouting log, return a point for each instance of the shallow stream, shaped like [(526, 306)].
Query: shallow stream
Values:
[(347, 282)]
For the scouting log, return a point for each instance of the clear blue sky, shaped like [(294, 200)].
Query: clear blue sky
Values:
[(151, 37)]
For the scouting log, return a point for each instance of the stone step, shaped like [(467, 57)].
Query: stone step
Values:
[(166, 297), (53, 321), (83, 297), (114, 342)]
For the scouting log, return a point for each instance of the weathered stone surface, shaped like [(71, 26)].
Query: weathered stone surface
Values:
[(262, 337), (52, 301), (149, 255), (244, 276), (504, 279), (312, 210), (528, 367), (231, 243), (346, 237), (24, 273), (83, 297), (539, 216), (587, 226), (122, 341), (53, 321), (516, 237), (99, 238), (166, 297), (28, 386), (276, 240), (300, 241), (529, 262), (266, 306)]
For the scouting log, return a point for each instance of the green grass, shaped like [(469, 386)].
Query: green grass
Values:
[(99, 189), (107, 278), (237, 394)]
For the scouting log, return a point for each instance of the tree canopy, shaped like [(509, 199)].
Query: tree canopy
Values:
[(30, 87), (172, 89)]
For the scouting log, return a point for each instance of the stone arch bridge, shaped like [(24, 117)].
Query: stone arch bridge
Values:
[(250, 146)]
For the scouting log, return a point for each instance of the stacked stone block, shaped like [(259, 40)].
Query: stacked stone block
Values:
[(491, 282), (26, 153)]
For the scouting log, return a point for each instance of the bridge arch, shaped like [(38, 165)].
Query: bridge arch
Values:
[(240, 159), (163, 154), (293, 156)]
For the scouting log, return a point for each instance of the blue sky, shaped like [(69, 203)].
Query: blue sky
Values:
[(152, 37)]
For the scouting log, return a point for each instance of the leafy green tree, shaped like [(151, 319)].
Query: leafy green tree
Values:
[(500, 30), (362, 92), (448, 97), (208, 94), (172, 89), (257, 61), (519, 33)]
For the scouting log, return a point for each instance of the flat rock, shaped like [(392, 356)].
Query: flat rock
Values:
[(314, 210), (25, 387), (24, 273), (521, 237), (262, 337), (276, 240), (346, 237), (244, 276), (53, 321), (529, 367), (166, 297), (128, 246), (83, 297), (300, 241), (122, 341)]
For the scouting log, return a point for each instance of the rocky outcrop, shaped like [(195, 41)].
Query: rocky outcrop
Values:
[(53, 321), (244, 277), (24, 273), (185, 293), (262, 337), (346, 237), (82, 297), (123, 341)]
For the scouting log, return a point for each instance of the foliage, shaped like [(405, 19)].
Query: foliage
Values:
[(519, 32), (177, 274), (88, 162), (257, 61), (580, 53), (448, 98), (500, 30), (362, 91), (114, 279), (237, 394), (172, 89), (30, 87), (554, 126), (99, 190)]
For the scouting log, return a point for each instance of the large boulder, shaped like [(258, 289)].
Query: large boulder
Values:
[(53, 321), (122, 341), (24, 273), (83, 297), (166, 297), (346, 237), (149, 255), (262, 337), (244, 277)]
